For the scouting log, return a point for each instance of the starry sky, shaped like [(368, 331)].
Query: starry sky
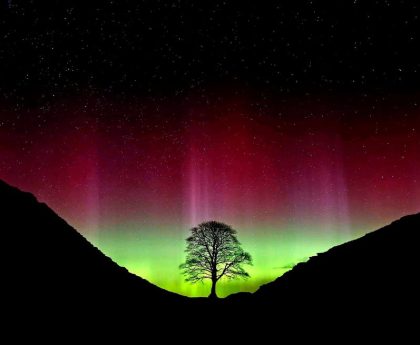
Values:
[(298, 124)]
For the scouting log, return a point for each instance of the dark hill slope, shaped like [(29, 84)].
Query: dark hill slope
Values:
[(379, 269), (46, 261)]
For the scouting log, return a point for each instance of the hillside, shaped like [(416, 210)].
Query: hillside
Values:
[(377, 270), (47, 262)]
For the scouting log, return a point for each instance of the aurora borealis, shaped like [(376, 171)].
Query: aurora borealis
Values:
[(293, 177), (297, 123)]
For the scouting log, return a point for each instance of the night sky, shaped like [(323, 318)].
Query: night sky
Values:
[(298, 123)]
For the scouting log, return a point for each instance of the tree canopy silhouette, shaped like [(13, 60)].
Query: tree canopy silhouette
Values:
[(213, 252)]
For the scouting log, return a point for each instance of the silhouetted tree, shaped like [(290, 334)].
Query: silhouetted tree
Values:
[(213, 252)]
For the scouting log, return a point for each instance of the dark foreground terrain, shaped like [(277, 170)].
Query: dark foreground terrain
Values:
[(52, 275)]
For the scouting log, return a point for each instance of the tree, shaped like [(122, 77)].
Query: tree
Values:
[(213, 252)]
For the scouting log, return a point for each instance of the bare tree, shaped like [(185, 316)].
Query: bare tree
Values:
[(213, 252)]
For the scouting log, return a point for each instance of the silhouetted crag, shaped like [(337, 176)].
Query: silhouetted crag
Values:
[(49, 264), (375, 274)]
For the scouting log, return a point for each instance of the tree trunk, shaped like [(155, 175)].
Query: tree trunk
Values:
[(213, 289)]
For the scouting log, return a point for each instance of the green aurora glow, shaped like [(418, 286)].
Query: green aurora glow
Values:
[(157, 257)]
